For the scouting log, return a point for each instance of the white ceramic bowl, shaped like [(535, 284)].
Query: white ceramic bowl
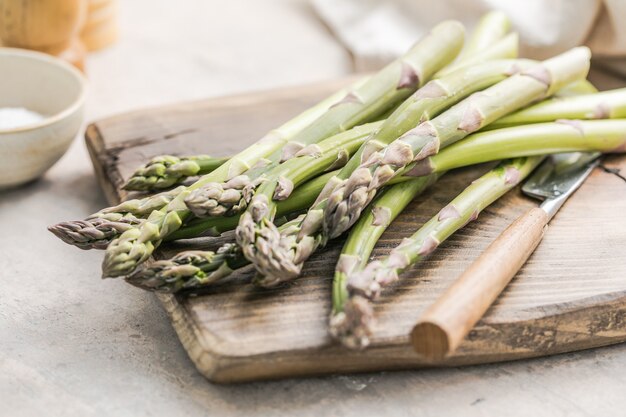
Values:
[(46, 85)]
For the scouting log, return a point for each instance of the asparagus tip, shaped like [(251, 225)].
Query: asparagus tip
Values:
[(94, 233), (353, 326)]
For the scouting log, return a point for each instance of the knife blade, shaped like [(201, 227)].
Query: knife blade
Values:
[(558, 178), (444, 325)]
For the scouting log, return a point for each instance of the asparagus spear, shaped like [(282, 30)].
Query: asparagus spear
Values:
[(489, 41), (142, 207), (578, 88), (99, 229), (609, 104), (165, 171), (348, 199), (353, 318), (371, 225), (384, 90), (491, 28), (99, 232), (506, 47), (606, 136), (94, 232), (188, 270)]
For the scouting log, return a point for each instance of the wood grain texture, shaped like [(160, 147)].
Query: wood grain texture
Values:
[(570, 295)]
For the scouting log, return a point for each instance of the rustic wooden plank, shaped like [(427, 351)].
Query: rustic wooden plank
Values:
[(570, 295)]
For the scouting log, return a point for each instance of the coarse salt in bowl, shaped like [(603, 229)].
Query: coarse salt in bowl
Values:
[(41, 111)]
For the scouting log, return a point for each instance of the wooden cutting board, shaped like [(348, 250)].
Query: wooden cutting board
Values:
[(571, 294)]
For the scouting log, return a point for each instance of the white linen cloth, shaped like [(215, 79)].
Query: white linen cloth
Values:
[(376, 31)]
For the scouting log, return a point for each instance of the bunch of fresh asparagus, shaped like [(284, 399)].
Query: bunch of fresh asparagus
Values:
[(353, 163)]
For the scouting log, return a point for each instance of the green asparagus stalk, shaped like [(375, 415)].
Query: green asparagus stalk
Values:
[(491, 28), (142, 207), (506, 47), (370, 227), (348, 199), (578, 88), (353, 318), (165, 171), (383, 91), (606, 136), (189, 270), (97, 232), (605, 105)]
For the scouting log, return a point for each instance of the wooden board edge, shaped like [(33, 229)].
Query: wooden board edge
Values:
[(205, 359), (97, 152), (527, 338)]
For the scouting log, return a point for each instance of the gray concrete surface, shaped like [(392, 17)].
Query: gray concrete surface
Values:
[(72, 345)]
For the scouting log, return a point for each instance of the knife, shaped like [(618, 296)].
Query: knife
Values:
[(444, 325)]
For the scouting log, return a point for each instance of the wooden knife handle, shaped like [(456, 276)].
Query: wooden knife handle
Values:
[(445, 324)]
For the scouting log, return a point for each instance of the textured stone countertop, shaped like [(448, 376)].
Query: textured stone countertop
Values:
[(73, 345)]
